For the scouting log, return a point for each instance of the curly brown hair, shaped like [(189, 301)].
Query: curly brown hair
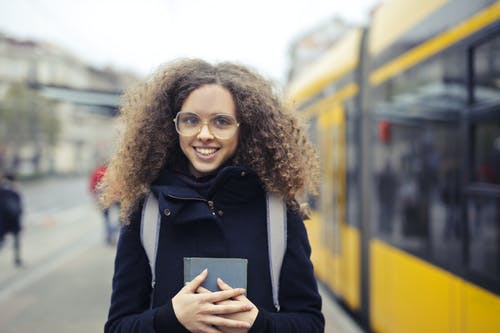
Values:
[(272, 141)]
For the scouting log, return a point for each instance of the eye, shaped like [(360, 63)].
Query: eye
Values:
[(189, 120), (223, 121)]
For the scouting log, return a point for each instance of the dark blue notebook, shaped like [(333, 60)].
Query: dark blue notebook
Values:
[(233, 271)]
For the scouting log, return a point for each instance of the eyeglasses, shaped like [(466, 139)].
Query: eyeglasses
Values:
[(221, 125)]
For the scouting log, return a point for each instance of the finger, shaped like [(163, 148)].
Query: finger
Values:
[(229, 307), (223, 295), (224, 286), (194, 284), (211, 329), (202, 290), (224, 322)]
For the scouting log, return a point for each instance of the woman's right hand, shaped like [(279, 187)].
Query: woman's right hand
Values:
[(199, 313)]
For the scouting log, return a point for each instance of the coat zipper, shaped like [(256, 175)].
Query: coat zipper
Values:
[(210, 203)]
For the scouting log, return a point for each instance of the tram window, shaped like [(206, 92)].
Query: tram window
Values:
[(439, 81), (402, 182), (487, 152), (421, 75), (416, 190), (487, 71), (484, 236)]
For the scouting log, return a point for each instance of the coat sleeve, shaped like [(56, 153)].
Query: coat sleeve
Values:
[(299, 298), (130, 299)]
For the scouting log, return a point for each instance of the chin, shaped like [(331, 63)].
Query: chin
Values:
[(200, 172)]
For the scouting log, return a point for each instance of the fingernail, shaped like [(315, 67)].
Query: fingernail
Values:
[(204, 271)]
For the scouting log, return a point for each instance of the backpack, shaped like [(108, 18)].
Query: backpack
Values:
[(276, 236)]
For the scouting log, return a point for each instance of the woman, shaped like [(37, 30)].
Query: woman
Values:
[(208, 141)]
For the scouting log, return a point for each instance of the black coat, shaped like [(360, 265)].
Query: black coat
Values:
[(232, 224), (10, 210)]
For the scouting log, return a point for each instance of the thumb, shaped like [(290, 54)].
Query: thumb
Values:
[(192, 285)]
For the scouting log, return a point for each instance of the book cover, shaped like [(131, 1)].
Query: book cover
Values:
[(233, 271)]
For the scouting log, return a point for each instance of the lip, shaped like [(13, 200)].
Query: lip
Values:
[(205, 156)]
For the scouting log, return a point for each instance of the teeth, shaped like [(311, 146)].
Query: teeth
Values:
[(206, 151)]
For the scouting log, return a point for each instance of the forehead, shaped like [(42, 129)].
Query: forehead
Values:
[(209, 99)]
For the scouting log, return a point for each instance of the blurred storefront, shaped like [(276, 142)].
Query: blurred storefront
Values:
[(57, 113)]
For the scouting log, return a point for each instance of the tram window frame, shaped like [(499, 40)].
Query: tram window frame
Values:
[(484, 63), (444, 74), (352, 164), (482, 120), (330, 235), (383, 99), (484, 163), (481, 110), (439, 241), (436, 97), (313, 136), (480, 246)]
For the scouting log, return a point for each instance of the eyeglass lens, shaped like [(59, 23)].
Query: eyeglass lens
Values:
[(220, 125)]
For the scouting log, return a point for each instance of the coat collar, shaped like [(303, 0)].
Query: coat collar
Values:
[(181, 185), (176, 191)]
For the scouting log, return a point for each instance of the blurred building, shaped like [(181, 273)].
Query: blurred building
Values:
[(81, 104), (311, 45)]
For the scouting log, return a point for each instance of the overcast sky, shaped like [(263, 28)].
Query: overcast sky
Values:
[(139, 35)]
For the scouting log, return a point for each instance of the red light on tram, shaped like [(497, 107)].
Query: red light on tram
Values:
[(384, 131)]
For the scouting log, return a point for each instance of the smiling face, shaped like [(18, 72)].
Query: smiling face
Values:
[(205, 152)]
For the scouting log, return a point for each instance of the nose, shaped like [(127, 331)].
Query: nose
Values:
[(204, 133)]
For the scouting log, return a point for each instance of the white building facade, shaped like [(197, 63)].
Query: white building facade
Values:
[(85, 102)]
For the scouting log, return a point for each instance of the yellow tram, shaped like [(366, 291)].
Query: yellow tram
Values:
[(405, 115)]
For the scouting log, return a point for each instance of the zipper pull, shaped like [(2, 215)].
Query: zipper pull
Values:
[(211, 206)]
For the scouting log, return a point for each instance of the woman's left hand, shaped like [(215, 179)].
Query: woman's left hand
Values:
[(248, 316)]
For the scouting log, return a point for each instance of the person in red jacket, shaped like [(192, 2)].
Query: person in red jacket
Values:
[(95, 179)]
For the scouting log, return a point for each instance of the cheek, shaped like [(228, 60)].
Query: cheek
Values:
[(183, 143), (234, 145)]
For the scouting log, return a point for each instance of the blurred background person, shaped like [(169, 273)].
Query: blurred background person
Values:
[(110, 223), (11, 210)]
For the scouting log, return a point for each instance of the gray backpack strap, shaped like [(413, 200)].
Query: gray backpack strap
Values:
[(276, 240), (150, 231), (276, 236)]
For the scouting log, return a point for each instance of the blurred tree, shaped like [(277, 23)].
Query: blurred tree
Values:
[(27, 119)]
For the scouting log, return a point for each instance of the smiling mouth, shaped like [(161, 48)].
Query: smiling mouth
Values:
[(206, 151)]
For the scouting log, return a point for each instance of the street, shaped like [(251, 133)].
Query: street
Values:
[(64, 284)]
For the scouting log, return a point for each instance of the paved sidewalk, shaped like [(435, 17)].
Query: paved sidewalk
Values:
[(337, 320), (66, 283)]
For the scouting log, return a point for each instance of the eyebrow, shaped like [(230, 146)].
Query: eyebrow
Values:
[(212, 114)]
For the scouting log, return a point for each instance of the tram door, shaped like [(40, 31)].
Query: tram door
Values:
[(332, 203)]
